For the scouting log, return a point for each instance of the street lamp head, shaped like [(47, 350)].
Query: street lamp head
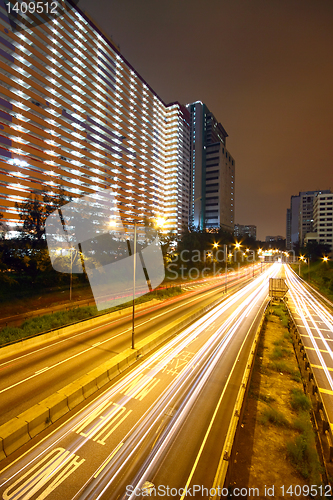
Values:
[(112, 222), (160, 221), (325, 259)]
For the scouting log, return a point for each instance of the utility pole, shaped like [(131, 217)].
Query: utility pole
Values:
[(134, 268)]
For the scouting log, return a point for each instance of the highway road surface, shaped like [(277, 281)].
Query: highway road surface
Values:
[(33, 375), (315, 324), (163, 421)]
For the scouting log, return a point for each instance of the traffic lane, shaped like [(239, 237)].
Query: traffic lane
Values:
[(175, 305), (106, 342), (99, 454), (90, 334), (40, 376), (118, 487), (315, 325), (93, 452), (188, 439), (185, 450)]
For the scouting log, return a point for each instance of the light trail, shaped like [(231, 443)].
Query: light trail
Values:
[(312, 314), (183, 391)]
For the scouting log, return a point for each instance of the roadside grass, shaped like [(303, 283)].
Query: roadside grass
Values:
[(302, 451), (299, 400), (266, 398), (319, 274), (301, 448), (282, 312), (273, 416), (285, 368), (279, 352), (59, 319)]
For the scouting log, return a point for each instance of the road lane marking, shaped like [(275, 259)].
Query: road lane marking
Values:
[(313, 336), (41, 370), (320, 367), (313, 349), (115, 416), (58, 465), (108, 460), (326, 391)]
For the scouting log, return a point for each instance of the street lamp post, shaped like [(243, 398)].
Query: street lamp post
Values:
[(134, 269), (159, 222), (237, 247), (71, 277), (226, 268)]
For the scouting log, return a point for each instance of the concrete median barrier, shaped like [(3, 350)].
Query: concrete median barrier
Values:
[(37, 418), (74, 394), (58, 406), (14, 434), (89, 384), (125, 359)]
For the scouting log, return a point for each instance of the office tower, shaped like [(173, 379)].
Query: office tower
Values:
[(212, 172)]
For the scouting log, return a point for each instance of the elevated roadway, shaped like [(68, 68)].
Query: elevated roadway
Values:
[(165, 420), (34, 374)]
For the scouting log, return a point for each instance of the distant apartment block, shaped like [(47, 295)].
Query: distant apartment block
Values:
[(274, 239), (248, 230), (300, 219), (322, 220), (212, 203)]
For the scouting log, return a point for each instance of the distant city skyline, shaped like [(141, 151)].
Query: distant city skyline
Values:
[(265, 71)]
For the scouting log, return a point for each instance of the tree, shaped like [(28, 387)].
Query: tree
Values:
[(3, 227), (316, 250), (35, 211)]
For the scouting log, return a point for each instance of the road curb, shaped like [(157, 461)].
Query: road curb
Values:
[(41, 338), (19, 430)]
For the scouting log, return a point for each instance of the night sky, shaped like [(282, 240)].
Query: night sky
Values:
[(265, 70)]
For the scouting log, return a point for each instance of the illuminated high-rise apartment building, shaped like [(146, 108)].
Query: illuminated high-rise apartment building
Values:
[(212, 203), (74, 113)]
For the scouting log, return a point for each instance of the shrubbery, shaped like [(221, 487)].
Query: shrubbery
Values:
[(59, 319)]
